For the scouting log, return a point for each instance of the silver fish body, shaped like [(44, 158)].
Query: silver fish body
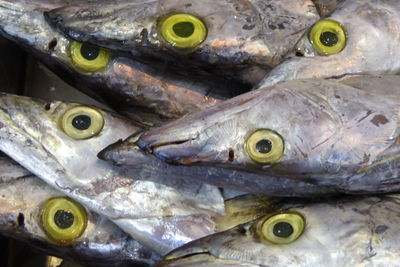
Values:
[(159, 212), (150, 94), (343, 135), (240, 34), (341, 232), (22, 196), (372, 45)]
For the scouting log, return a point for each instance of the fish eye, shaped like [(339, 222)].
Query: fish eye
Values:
[(82, 122), (265, 146), (183, 30), (328, 37), (63, 219), (282, 228), (88, 57)]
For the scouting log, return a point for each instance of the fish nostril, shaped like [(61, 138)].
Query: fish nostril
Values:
[(52, 44), (21, 220), (231, 155), (47, 106), (299, 54)]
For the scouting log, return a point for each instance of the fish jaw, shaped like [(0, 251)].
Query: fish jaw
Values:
[(365, 48)]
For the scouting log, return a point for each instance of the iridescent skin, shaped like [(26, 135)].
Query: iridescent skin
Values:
[(373, 38), (343, 135), (148, 93), (102, 243), (159, 212), (339, 232), (242, 35)]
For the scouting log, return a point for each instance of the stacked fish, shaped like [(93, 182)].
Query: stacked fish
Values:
[(243, 132)]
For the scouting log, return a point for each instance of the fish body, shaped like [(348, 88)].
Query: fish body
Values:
[(149, 94), (59, 142), (22, 197), (239, 35), (371, 46), (343, 135), (337, 232)]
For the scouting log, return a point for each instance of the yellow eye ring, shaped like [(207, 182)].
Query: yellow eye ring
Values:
[(63, 220), (282, 228), (82, 122), (265, 146), (328, 37), (88, 57), (183, 30)]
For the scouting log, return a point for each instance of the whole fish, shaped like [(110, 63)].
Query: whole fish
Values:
[(358, 37), (59, 142), (24, 201), (342, 232), (155, 93), (237, 38), (343, 135)]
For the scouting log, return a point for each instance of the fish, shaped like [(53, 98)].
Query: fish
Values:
[(240, 38), (359, 231), (358, 37), (24, 199), (59, 141), (149, 94), (338, 134)]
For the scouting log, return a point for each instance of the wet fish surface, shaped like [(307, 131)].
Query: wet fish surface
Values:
[(343, 135), (236, 38), (337, 232), (101, 243), (149, 94), (59, 142), (358, 37)]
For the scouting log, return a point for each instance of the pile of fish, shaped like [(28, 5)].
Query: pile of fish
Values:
[(238, 133)]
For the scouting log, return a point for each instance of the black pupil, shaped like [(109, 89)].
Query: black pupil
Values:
[(183, 29), (264, 146), (328, 38), (283, 229), (63, 219), (89, 52), (81, 122)]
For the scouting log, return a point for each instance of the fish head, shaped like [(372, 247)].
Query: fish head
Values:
[(358, 37), (223, 33), (328, 233), (41, 216), (298, 129), (153, 93), (65, 132), (59, 142)]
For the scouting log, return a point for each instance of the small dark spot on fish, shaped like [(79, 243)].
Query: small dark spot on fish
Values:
[(366, 158), (21, 220), (337, 96), (47, 106), (369, 112), (52, 44), (1, 125), (299, 54), (145, 36), (231, 154), (188, 5), (272, 27), (248, 27), (381, 229), (270, 7), (379, 119), (281, 26)]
